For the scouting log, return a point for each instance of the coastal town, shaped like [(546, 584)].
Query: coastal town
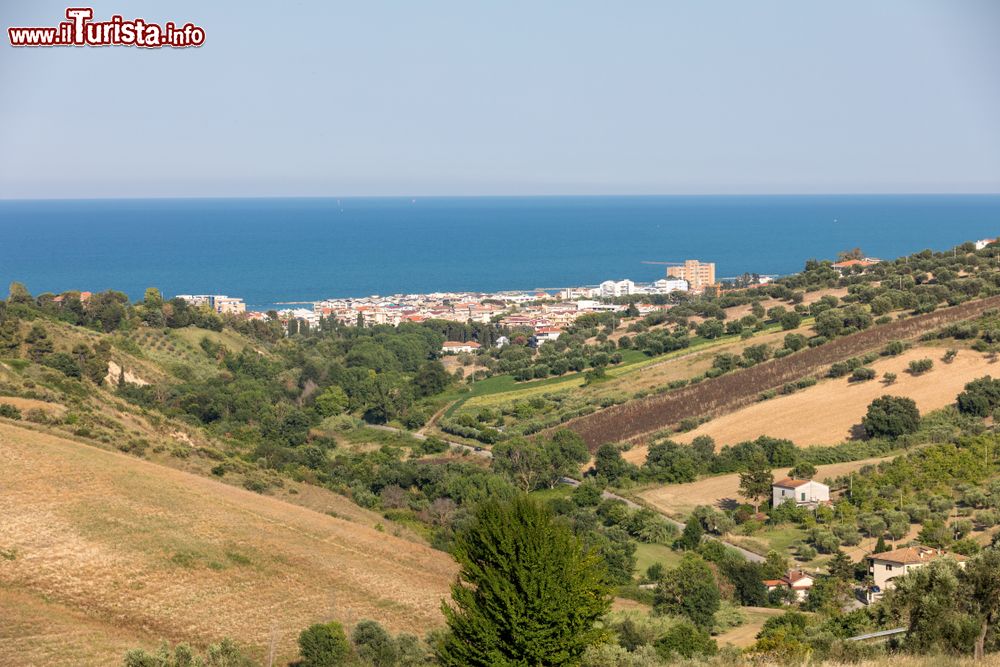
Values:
[(545, 312)]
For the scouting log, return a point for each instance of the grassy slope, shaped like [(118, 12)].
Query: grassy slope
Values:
[(109, 550)]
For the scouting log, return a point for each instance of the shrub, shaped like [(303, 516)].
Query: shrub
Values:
[(684, 640), (862, 374), (323, 645), (920, 366), (9, 411)]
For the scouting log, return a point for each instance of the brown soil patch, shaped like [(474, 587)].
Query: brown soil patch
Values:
[(155, 552)]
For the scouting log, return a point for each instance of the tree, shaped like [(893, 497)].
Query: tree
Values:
[(374, 645), (608, 463), (524, 462), (690, 538), (527, 593), (790, 320), (323, 645), (333, 401), (982, 583), (690, 590), (802, 470), (431, 378), (756, 481), (891, 417)]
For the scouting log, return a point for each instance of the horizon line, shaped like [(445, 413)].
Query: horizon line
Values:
[(509, 196)]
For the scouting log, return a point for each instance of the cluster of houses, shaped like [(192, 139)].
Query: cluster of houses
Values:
[(883, 567)]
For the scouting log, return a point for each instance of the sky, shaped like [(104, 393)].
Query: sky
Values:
[(380, 97)]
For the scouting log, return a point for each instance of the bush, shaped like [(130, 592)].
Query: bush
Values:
[(684, 640), (9, 411), (862, 374), (920, 366), (323, 645)]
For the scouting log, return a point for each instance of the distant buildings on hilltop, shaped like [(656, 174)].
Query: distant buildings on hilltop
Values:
[(220, 303)]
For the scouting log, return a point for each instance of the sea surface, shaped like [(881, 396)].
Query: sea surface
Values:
[(273, 251)]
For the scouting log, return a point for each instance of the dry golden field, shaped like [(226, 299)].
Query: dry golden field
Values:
[(679, 499), (825, 413), (101, 551)]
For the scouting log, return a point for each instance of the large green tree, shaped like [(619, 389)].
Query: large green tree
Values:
[(528, 593), (689, 590), (756, 480)]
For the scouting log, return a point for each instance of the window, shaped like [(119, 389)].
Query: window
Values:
[(888, 568), (803, 495)]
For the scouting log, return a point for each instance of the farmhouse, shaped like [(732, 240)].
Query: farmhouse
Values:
[(456, 347), (795, 580), (802, 491), (887, 565), (847, 264)]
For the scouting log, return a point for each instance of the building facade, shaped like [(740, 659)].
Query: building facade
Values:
[(885, 566), (799, 491), (698, 275)]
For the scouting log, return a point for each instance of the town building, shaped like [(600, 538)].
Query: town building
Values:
[(795, 580), (803, 492), (982, 243), (698, 275), (225, 305), (457, 347), (887, 565), (847, 264), (545, 335), (613, 288), (666, 286)]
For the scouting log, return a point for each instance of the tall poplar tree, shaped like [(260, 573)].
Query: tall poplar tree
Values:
[(528, 593)]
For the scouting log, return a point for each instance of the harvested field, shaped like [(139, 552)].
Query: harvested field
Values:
[(635, 419), (825, 414), (677, 500), (129, 551)]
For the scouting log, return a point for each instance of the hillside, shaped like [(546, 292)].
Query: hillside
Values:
[(639, 418), (103, 550), (828, 412)]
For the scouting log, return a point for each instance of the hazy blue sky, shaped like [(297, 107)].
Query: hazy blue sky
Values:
[(326, 97)]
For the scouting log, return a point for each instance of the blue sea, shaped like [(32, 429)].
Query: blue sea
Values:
[(272, 251)]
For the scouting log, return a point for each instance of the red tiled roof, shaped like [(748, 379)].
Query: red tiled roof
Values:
[(789, 483), (915, 554)]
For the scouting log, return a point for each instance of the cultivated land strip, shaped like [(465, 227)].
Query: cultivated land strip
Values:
[(638, 419)]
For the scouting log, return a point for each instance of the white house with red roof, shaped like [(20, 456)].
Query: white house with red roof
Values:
[(801, 491), (797, 581), (457, 347)]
